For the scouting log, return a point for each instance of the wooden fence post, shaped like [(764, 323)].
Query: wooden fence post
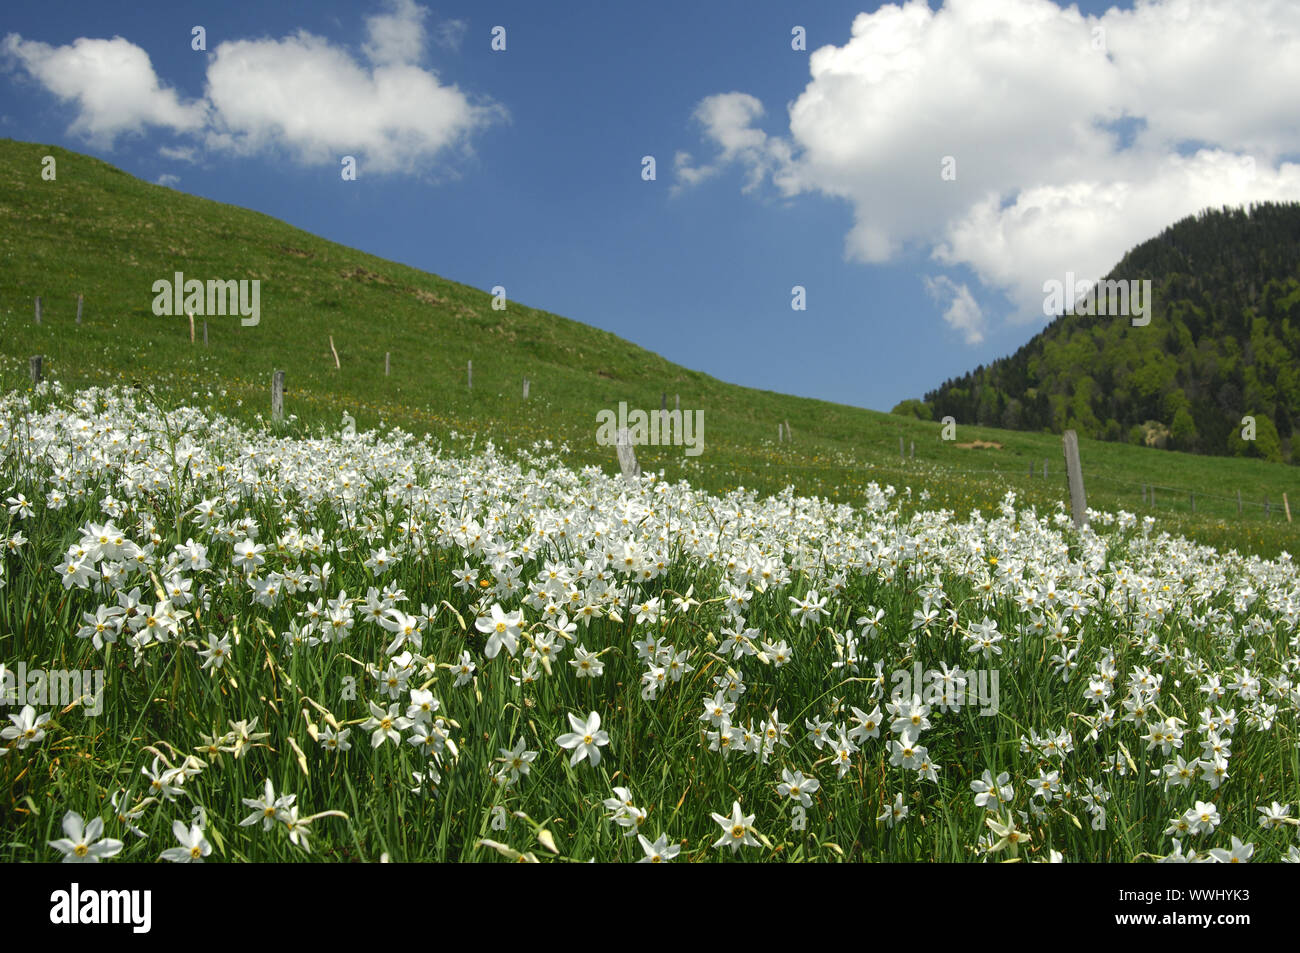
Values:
[(780, 433), (525, 388), (627, 457), (277, 396), (79, 302), (788, 436), (1044, 469), (191, 317), (913, 449), (385, 363), (469, 375), (38, 309), (1287, 506), (1075, 473), (1238, 502), (36, 369)]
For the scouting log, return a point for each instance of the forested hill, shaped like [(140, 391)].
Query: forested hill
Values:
[(1223, 342)]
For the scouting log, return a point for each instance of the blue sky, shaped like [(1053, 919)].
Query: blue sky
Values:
[(1074, 132)]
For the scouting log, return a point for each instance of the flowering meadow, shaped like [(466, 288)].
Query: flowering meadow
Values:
[(365, 647)]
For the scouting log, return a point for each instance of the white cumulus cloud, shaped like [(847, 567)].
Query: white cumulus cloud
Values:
[(963, 312), (302, 96), (112, 82), (1073, 137)]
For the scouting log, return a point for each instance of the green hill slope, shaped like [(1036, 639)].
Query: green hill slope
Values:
[(103, 234), (1223, 342)]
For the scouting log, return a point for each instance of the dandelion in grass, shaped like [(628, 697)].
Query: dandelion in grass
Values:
[(737, 830), (193, 845), (585, 740), (79, 846)]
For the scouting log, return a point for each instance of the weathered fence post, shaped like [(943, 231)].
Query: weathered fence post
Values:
[(38, 309), (79, 302), (780, 432), (36, 369), (627, 457), (191, 317), (1075, 473), (277, 396), (469, 375), (1287, 506), (525, 388), (335, 353), (1238, 502), (677, 401), (385, 363), (788, 435), (663, 401), (1044, 469)]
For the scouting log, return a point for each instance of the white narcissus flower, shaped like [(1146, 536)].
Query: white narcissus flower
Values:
[(194, 846), (385, 724), (502, 629), (27, 728), (79, 846), (660, 852), (737, 830), (585, 739)]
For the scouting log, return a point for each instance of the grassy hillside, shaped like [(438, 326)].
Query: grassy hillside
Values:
[(99, 232)]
